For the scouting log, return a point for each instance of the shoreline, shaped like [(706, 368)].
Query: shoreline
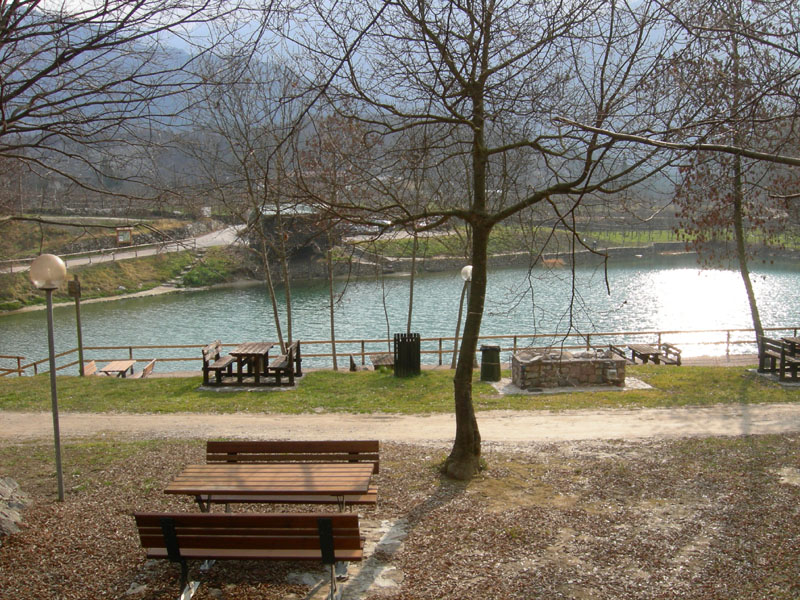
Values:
[(159, 290)]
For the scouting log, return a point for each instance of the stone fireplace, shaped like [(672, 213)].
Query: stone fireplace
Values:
[(545, 368)]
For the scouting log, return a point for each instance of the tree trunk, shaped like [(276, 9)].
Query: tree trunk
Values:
[(411, 283), (271, 290), (464, 459), (741, 251), (738, 198), (331, 306)]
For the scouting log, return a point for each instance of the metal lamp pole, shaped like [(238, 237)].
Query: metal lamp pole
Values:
[(466, 275), (47, 273)]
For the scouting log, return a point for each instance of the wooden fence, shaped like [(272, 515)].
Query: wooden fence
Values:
[(439, 348)]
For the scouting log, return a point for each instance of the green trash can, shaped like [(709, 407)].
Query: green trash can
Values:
[(490, 363)]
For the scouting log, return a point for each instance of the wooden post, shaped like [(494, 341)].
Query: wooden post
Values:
[(440, 352), (74, 290)]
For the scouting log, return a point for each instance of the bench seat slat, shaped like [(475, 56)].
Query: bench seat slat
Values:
[(255, 554), (369, 498), (286, 543)]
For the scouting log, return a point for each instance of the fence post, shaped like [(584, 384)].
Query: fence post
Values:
[(130, 352), (363, 358), (440, 352), (515, 344), (588, 341), (728, 344)]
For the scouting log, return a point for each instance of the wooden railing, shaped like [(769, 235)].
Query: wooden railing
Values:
[(439, 348)]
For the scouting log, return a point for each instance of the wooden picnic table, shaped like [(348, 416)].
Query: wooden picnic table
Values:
[(793, 344), (253, 354), (118, 368), (645, 352), (301, 479), (385, 359), (790, 359)]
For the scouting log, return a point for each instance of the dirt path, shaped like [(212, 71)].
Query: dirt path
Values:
[(496, 426)]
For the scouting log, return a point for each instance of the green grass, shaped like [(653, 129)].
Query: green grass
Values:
[(97, 281), (219, 265), (374, 391), (21, 239)]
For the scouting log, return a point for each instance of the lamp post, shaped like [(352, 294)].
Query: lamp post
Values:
[(47, 273), (466, 275)]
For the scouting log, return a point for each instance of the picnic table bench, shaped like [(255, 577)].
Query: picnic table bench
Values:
[(145, 371), (214, 362), (670, 355), (264, 451), (286, 365), (181, 537), (769, 354), (790, 358)]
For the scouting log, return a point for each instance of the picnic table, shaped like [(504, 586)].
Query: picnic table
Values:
[(118, 368), (790, 358), (385, 359), (287, 479), (645, 353), (253, 355)]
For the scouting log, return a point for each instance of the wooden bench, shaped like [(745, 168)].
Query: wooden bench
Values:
[(670, 355), (261, 451), (621, 352), (286, 365), (181, 537), (220, 365), (89, 368), (354, 366), (146, 370), (769, 354), (789, 365)]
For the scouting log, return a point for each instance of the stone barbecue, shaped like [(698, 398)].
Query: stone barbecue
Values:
[(531, 369)]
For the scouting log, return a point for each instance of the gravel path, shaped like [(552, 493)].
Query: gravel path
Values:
[(495, 426)]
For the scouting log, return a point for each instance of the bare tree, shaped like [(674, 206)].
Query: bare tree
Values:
[(243, 119), (86, 75), (490, 76), (735, 78)]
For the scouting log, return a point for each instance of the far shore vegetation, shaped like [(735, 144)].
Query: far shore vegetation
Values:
[(381, 392)]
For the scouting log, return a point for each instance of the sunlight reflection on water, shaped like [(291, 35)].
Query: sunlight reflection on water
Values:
[(641, 298)]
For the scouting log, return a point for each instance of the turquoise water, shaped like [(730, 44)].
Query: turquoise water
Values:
[(640, 296)]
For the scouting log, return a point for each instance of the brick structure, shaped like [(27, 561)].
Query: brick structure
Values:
[(548, 369)]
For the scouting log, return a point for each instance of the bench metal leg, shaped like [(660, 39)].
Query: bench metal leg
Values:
[(189, 590), (336, 591), (204, 505)]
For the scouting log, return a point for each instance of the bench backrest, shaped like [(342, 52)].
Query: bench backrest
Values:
[(261, 451), (90, 368), (770, 344), (148, 368), (267, 536), (212, 351)]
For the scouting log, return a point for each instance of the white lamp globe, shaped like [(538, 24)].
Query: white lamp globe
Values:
[(466, 273), (48, 272)]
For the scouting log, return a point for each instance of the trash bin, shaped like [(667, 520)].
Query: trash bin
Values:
[(490, 363), (406, 354)]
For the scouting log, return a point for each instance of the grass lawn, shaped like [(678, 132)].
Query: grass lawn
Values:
[(375, 391)]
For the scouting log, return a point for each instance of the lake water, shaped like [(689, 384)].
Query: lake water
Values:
[(643, 296)]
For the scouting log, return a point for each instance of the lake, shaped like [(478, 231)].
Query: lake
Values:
[(642, 295)]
